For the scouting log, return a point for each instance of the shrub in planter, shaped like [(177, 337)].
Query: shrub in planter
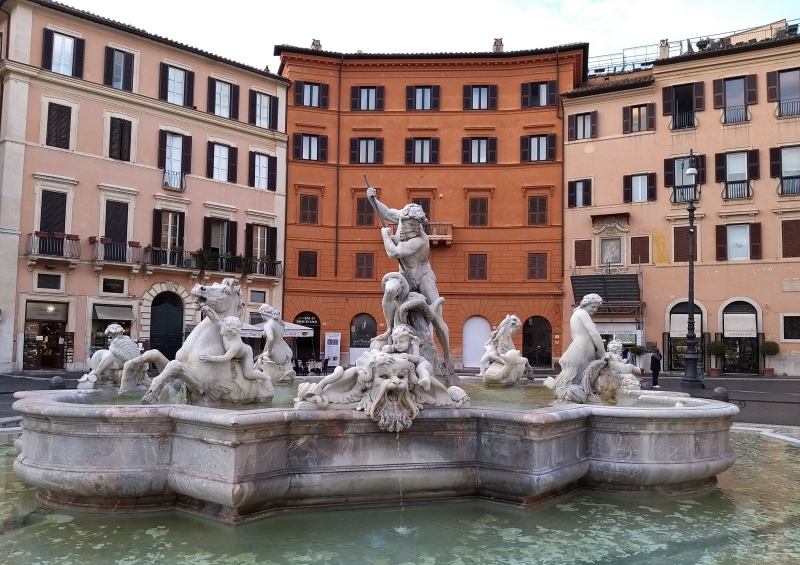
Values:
[(716, 348), (636, 351), (770, 348)]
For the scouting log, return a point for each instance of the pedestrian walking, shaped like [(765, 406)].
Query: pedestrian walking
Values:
[(655, 365)]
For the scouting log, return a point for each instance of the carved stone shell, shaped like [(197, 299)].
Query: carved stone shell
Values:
[(124, 349)]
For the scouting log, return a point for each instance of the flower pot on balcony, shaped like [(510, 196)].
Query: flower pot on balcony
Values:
[(59, 235), (714, 372), (92, 239), (40, 233), (73, 237), (769, 372), (134, 244), (106, 240)]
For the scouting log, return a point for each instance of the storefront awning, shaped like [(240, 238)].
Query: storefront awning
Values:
[(123, 313)]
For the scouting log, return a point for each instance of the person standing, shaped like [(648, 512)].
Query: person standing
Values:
[(655, 365)]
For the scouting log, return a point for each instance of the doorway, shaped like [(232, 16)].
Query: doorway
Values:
[(740, 336), (477, 330), (537, 341), (166, 325)]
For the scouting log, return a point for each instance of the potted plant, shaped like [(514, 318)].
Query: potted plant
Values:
[(716, 348), (770, 348), (239, 263), (205, 258), (636, 350)]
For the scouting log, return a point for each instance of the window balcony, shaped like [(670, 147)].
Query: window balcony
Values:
[(685, 194), (789, 186), (105, 251), (737, 189), (263, 271), (736, 114), (438, 232), (171, 260), (789, 107), (683, 120), (56, 247), (174, 180)]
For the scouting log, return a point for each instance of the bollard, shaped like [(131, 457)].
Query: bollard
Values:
[(720, 393), (57, 383)]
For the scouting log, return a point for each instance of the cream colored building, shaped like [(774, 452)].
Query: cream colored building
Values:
[(734, 102), (122, 153)]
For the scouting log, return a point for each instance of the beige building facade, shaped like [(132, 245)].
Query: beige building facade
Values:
[(133, 167), (736, 107)]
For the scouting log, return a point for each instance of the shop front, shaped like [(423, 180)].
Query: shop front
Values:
[(675, 340), (47, 344), (103, 315), (625, 332), (741, 338)]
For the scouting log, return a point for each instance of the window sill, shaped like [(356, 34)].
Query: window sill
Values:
[(734, 124), (692, 129), (795, 118), (737, 201), (788, 197)]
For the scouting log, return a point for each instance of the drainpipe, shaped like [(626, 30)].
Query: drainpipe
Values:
[(338, 166), (560, 116), (286, 195)]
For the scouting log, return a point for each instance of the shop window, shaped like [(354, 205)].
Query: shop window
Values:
[(258, 297)]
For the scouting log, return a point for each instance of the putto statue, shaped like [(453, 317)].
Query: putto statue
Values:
[(502, 363), (213, 365), (410, 295), (106, 364), (276, 359)]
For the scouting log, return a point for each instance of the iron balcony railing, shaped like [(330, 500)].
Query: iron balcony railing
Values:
[(54, 245), (789, 107), (435, 230), (735, 114), (790, 185), (170, 258), (685, 194), (737, 189), (264, 267), (117, 252), (174, 180), (683, 120)]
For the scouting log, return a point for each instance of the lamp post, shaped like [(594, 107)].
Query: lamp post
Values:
[(690, 379)]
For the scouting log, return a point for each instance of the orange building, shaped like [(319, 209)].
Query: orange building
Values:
[(472, 137)]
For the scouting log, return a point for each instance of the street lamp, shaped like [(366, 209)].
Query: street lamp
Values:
[(690, 379)]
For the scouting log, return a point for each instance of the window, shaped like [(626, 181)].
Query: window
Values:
[(176, 86), (583, 253), (365, 214), (223, 99), (640, 249), (639, 188), (263, 171), (537, 148), (425, 203), (310, 147), (309, 207), (364, 266), (733, 95), (307, 264), (310, 94), (791, 327), (118, 71), (738, 241), (222, 162), (784, 163), (116, 230), (537, 266), (366, 150), (579, 193), (537, 94), (58, 125), (639, 118), (422, 151), (168, 227), (582, 126), (479, 150), (119, 139), (263, 110), (735, 170), (479, 211), (174, 157), (261, 244), (422, 97), (537, 210), (480, 97), (258, 297), (63, 54), (684, 186), (48, 282), (790, 238), (681, 102), (680, 252), (783, 87), (476, 270), (366, 98)]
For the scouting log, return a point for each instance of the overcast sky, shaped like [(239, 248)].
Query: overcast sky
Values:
[(247, 30)]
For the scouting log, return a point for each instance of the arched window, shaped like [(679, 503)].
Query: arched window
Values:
[(537, 341), (477, 330)]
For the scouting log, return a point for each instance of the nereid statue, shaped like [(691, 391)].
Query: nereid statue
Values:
[(106, 364), (502, 363), (276, 359)]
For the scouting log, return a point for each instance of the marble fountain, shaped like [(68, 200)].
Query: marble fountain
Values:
[(394, 428)]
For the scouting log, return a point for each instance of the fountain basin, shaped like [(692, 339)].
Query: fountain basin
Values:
[(235, 466)]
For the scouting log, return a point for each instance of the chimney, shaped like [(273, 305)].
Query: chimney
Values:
[(663, 49), (316, 45), (498, 45)]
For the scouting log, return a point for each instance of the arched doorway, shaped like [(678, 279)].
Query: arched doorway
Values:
[(740, 336), (363, 328), (477, 330), (676, 343), (307, 348), (166, 324), (537, 341)]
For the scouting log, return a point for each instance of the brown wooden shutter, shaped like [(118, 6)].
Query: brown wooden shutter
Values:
[(651, 117), (353, 150), (790, 238), (701, 169), (210, 160), (526, 95), (409, 150), (775, 164), (234, 102), (322, 146), (537, 266), (552, 93), (626, 119), (699, 98), (434, 151), (252, 102), (157, 225), (298, 93), (186, 158), (571, 127), (211, 98), (666, 101), (410, 98), (251, 170), (297, 144), (435, 96), (272, 173), (181, 227), (587, 192), (380, 93), (207, 225), (751, 89), (78, 57), (626, 188), (354, 102), (233, 161), (640, 249), (593, 118), (466, 150), (571, 192), (551, 147), (248, 241), (537, 210), (273, 112), (323, 95), (114, 138), (772, 86), (272, 243), (125, 140), (188, 92), (722, 242), (127, 72), (163, 81), (162, 149), (651, 187), (47, 49), (233, 234), (467, 97), (524, 149), (681, 241), (755, 240), (108, 67), (583, 252), (753, 165), (477, 266), (719, 93), (491, 152), (492, 97), (378, 150), (720, 174)]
